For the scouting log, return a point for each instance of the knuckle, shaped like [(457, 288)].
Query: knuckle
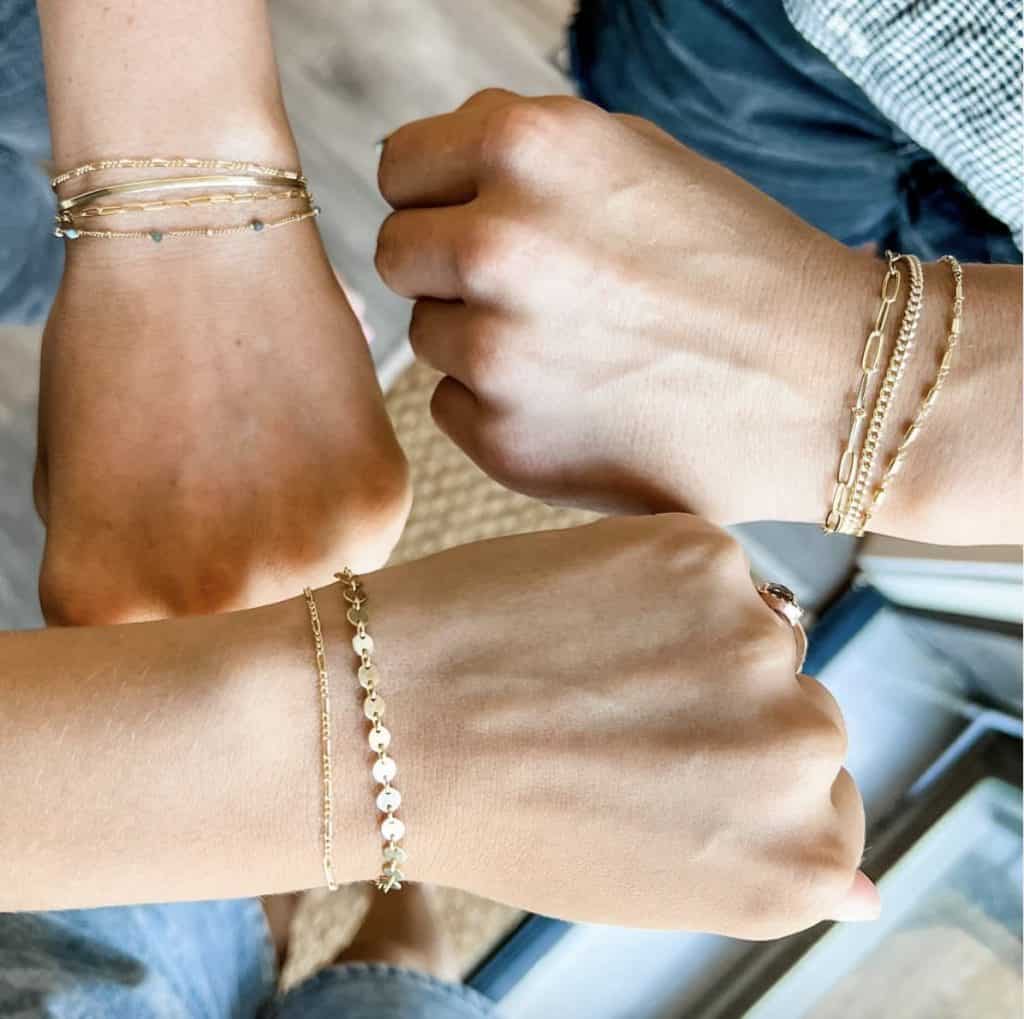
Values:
[(486, 349), (518, 134), (485, 251), (68, 597)]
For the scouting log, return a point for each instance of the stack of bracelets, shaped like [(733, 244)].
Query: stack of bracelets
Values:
[(388, 799), (235, 182), (856, 496)]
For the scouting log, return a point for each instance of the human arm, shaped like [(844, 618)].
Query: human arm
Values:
[(212, 434), (615, 699), (628, 326)]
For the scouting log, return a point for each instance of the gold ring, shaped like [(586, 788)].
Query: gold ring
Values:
[(783, 603)]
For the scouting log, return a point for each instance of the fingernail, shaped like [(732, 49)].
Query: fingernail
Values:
[(862, 902), (379, 144)]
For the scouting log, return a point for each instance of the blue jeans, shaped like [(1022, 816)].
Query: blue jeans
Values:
[(31, 258), (203, 960), (734, 80)]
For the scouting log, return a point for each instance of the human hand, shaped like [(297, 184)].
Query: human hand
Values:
[(211, 431), (605, 724), (624, 324)]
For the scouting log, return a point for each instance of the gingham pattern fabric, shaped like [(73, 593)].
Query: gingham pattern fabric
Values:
[(946, 72)]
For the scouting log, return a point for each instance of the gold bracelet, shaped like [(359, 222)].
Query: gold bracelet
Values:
[(234, 198), (174, 162), (167, 184), (930, 398), (326, 774), (870, 359), (254, 225), (853, 521), (389, 799)]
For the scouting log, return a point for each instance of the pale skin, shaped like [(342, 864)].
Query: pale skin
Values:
[(616, 696), (627, 326)]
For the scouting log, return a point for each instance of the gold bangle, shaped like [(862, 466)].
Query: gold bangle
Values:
[(389, 799), (233, 198), (930, 398), (870, 360), (853, 520), (166, 184), (174, 162), (326, 774)]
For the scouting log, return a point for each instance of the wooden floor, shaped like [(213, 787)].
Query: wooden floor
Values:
[(352, 70)]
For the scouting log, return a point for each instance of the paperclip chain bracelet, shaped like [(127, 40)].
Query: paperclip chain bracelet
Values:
[(870, 361), (389, 799), (930, 398), (853, 522), (326, 750)]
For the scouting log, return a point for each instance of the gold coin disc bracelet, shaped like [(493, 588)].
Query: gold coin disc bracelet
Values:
[(242, 182), (392, 829)]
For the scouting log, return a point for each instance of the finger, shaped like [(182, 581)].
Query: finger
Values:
[(458, 413), (826, 704), (457, 341), (862, 902), (850, 821), (416, 252), (437, 161)]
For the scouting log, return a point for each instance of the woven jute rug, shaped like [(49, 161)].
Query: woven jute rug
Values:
[(454, 503)]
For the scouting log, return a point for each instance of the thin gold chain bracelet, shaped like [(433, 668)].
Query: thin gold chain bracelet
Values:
[(392, 829), (930, 398), (853, 520), (235, 198), (173, 162), (870, 361), (254, 226), (326, 749)]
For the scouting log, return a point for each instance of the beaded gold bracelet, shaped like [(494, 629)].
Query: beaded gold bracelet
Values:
[(930, 398), (389, 799)]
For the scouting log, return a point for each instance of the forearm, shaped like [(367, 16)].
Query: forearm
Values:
[(131, 77), (180, 760)]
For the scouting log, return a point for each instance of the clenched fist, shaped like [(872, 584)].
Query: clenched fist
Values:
[(622, 323), (211, 431), (605, 724)]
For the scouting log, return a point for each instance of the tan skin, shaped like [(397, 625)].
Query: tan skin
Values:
[(627, 326), (615, 695), (198, 399)]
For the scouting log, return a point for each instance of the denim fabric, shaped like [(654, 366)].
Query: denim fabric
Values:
[(734, 80), (197, 960), (31, 258)]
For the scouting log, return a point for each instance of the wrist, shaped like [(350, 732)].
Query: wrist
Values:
[(424, 719)]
